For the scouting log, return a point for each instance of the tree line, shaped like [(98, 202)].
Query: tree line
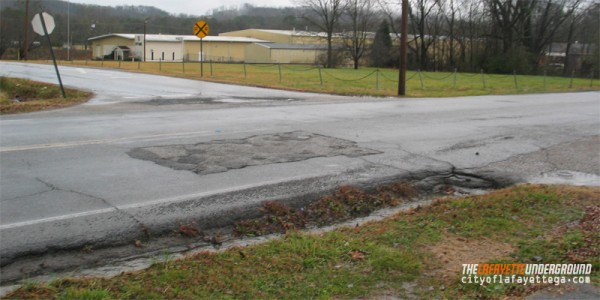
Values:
[(500, 36)]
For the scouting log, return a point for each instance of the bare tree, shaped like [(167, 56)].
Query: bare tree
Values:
[(391, 10), (452, 9), (435, 26), (525, 28), (471, 27), (544, 22), (325, 14), (462, 27), (360, 18), (576, 25), (499, 35), (508, 17), (420, 13)]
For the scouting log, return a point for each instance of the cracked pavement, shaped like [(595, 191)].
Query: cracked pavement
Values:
[(224, 155), (68, 179)]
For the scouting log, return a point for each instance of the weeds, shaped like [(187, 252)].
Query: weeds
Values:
[(278, 218), (345, 203)]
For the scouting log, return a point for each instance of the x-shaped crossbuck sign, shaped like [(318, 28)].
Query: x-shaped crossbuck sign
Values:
[(201, 29)]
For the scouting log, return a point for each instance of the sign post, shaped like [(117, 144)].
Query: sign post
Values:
[(201, 30), (43, 24)]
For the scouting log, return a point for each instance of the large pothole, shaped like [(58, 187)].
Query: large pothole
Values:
[(215, 100), (223, 155)]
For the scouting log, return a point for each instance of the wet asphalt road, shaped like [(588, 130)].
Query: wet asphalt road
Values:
[(68, 177)]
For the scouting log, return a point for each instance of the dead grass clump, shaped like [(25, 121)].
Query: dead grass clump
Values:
[(277, 218), (345, 203)]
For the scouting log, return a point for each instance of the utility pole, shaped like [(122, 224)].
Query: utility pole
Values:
[(26, 30), (68, 30), (403, 49)]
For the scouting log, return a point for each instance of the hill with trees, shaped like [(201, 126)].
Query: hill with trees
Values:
[(78, 22)]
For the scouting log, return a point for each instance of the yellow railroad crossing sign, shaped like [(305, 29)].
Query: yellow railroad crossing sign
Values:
[(201, 29)]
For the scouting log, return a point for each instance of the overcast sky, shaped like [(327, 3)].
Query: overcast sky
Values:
[(191, 7)]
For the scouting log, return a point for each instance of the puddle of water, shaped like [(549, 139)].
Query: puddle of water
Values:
[(567, 177)]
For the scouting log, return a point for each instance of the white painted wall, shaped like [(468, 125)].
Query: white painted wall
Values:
[(165, 51)]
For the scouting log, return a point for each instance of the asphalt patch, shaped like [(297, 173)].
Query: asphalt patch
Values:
[(214, 100), (166, 101), (223, 155)]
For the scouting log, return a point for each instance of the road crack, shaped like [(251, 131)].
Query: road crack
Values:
[(53, 187), (455, 176)]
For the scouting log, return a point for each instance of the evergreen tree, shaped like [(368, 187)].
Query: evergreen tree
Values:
[(381, 49)]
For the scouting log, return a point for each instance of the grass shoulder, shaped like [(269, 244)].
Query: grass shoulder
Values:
[(360, 82), (23, 96), (416, 254)]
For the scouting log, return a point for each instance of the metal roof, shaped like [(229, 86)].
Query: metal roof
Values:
[(293, 46), (178, 38), (294, 32)]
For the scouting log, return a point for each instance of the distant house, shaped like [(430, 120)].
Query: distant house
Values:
[(170, 47), (555, 55)]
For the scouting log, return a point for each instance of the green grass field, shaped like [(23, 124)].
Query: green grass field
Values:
[(364, 81)]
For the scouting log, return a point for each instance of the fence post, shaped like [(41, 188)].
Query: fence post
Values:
[(160, 65), (245, 74), (454, 79), (119, 64), (139, 64), (183, 66), (571, 82), (211, 67), (421, 79), (320, 76), (515, 77), (279, 66), (377, 79), (483, 79)]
